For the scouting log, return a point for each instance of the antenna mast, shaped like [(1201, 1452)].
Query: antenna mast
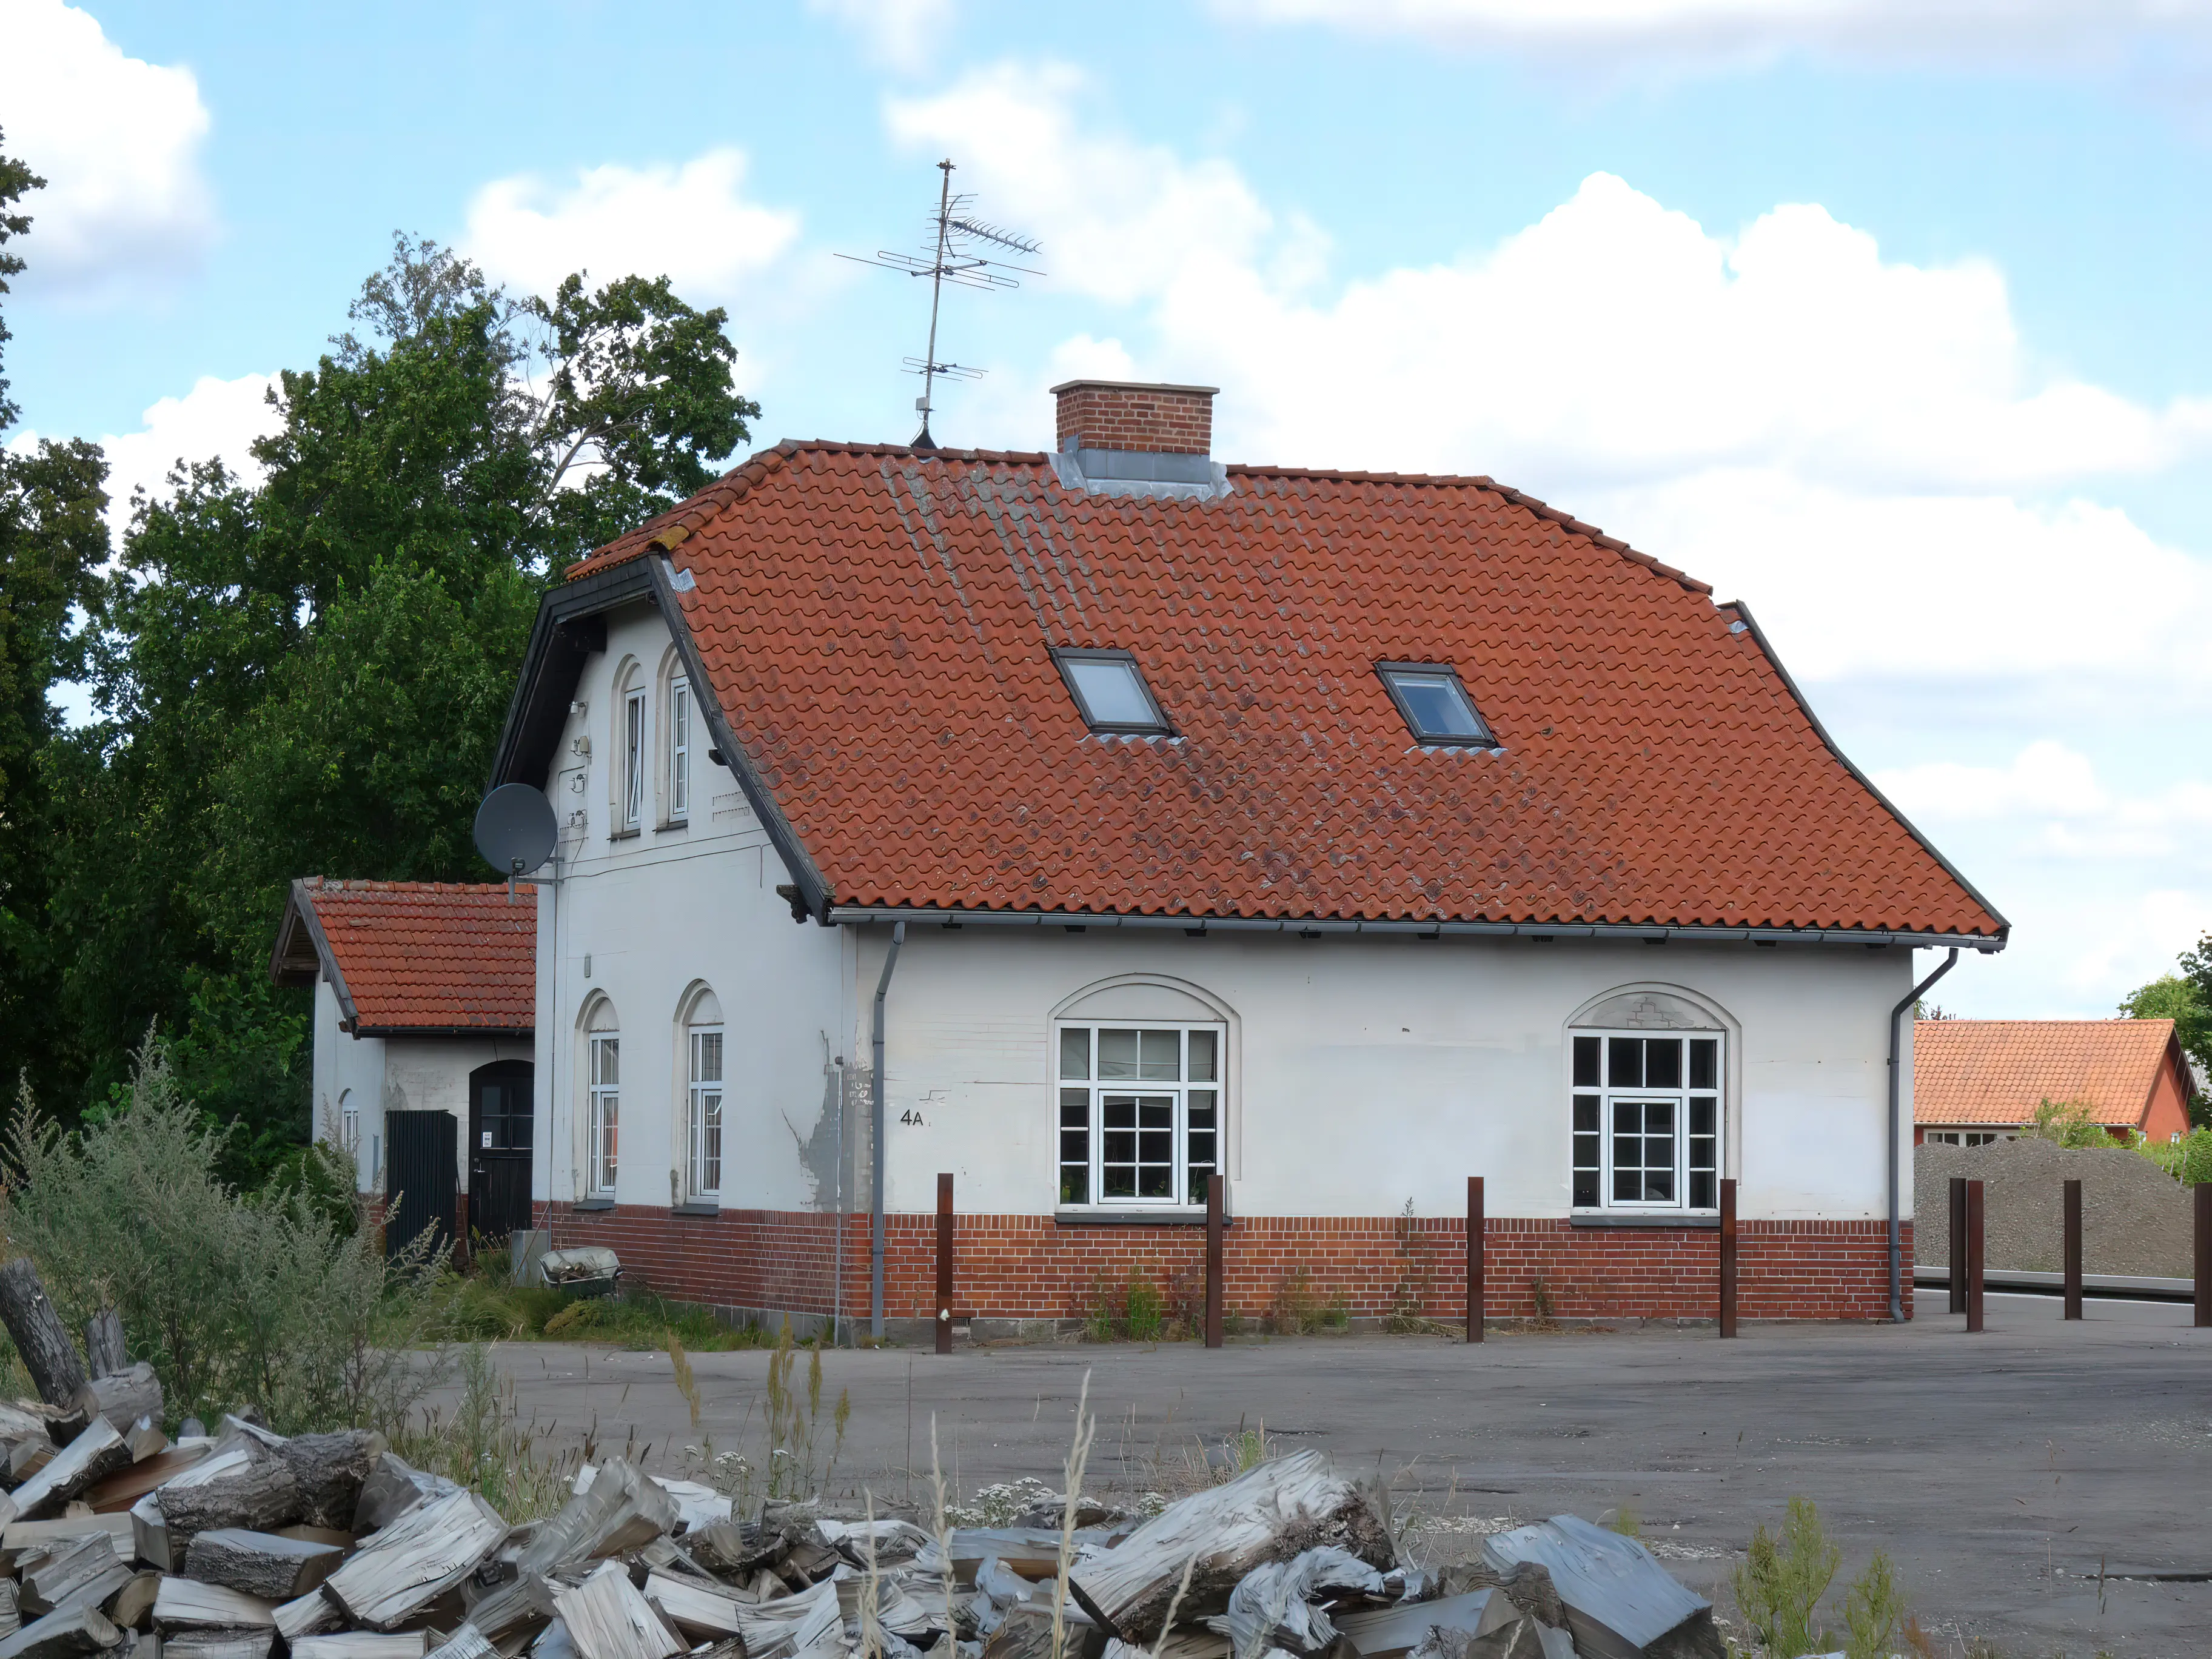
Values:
[(951, 258)]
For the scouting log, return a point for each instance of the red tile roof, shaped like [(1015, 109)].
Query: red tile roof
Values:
[(416, 955), (1999, 1071), (877, 624)]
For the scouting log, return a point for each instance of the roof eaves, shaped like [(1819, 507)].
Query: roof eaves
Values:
[(1759, 638), (301, 902)]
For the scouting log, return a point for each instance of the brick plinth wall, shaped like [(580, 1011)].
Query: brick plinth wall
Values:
[(1162, 420), (1027, 1266)]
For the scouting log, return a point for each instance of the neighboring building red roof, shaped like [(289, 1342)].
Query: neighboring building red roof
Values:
[(1999, 1071), (415, 955), (876, 624)]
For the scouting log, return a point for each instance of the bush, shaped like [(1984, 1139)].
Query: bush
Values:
[(1782, 1579), (2067, 1122), (2188, 1160), (263, 1301)]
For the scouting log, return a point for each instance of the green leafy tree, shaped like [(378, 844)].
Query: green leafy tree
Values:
[(2186, 999), (308, 674)]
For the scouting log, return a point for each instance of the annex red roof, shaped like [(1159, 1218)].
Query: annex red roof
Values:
[(876, 624), (414, 956), (1999, 1071)]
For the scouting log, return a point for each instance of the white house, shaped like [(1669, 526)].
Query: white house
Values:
[(1134, 820), (425, 996)]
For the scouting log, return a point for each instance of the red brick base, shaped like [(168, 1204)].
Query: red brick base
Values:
[(1028, 1266)]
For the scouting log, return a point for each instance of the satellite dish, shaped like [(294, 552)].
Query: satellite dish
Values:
[(515, 831)]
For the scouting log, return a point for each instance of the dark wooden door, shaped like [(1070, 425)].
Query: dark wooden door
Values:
[(420, 1175), (499, 1149)]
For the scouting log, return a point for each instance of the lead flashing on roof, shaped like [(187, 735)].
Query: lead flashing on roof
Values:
[(1141, 473)]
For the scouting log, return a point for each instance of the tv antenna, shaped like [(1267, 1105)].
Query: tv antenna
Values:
[(952, 255)]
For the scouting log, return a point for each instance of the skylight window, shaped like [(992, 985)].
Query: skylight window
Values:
[(1110, 693), (1435, 704)]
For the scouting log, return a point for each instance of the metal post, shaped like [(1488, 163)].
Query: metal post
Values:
[(1213, 1258), (1973, 1255), (1727, 1255), (1957, 1273), (945, 1264), (2073, 1249), (2203, 1192), (1474, 1284)]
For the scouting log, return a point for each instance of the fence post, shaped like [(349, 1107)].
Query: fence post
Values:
[(1213, 1258), (2202, 1192), (945, 1264), (1973, 1255), (1957, 1273), (1474, 1285), (1728, 1257), (2073, 1249)]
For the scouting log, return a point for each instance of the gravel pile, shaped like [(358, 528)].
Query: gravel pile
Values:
[(2136, 1218)]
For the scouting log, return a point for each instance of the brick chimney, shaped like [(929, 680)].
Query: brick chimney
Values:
[(1125, 415)]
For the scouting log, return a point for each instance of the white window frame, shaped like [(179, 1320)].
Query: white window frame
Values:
[(603, 1119), (1692, 1155), (679, 749), (1966, 1137), (709, 1098), (1088, 1098), (350, 1125), (630, 809)]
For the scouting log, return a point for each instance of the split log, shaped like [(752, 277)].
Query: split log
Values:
[(220, 1644), (466, 1643), (607, 1619), (623, 1510), (186, 1604), (1026, 1633), (257, 1495), (103, 1345), (22, 1538), (1388, 1633), (126, 1486), (1618, 1598), (1528, 1586), (85, 1574), (145, 1439), (41, 1338), (133, 1608), (122, 1397), (259, 1563), (1278, 1510), (64, 1635), (702, 1611), (363, 1644), (93, 1455), (12, 1614), (1273, 1605), (308, 1615), (391, 1488), (409, 1564), (27, 1457), (791, 1624), (1524, 1638), (510, 1616), (21, 1421), (329, 1470)]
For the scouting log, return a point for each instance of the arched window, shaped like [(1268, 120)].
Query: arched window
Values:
[(630, 762), (678, 724), (1648, 1087), (702, 1041), (1141, 1069), (603, 1098)]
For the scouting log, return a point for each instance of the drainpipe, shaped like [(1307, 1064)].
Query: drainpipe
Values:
[(876, 1151), (1896, 1041)]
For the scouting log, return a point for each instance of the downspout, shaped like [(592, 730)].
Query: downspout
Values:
[(1896, 1041), (876, 1149)]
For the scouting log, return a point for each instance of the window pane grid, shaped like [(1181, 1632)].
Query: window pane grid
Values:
[(633, 759), (679, 751), (1645, 1120), (1139, 1113), (606, 1112), (706, 1112)]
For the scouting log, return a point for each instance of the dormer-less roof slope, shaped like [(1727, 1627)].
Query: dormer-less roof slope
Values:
[(1999, 1071), (876, 625), (415, 958)]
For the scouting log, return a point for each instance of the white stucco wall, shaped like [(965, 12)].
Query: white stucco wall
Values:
[(644, 919)]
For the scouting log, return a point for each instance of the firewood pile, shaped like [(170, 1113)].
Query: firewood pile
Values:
[(244, 1544)]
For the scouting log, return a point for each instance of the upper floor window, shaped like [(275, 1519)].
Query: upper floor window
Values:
[(679, 749), (1110, 693), (1647, 1121), (1139, 1113), (1435, 705), (604, 1126), (706, 1110), (629, 811)]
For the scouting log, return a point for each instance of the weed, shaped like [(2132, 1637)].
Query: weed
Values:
[(1186, 1301), (686, 1384), (1297, 1311), (795, 1421), (484, 1445), (574, 1320), (1625, 1522), (1078, 1454), (1872, 1610), (1416, 1278), (1103, 1312), (1782, 1579), (1540, 1295), (1144, 1311)]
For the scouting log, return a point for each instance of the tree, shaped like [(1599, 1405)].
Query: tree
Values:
[(309, 674), (2186, 999)]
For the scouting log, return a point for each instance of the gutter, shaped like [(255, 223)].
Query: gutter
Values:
[(1896, 1041), (1653, 932), (876, 1150)]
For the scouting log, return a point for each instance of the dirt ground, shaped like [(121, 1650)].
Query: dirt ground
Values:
[(2002, 1472), (2136, 1218)]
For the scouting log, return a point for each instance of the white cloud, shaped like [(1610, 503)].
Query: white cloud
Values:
[(690, 223), (118, 141), (900, 34), (2069, 33)]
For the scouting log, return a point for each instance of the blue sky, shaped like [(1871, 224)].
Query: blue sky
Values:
[(1887, 318)]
